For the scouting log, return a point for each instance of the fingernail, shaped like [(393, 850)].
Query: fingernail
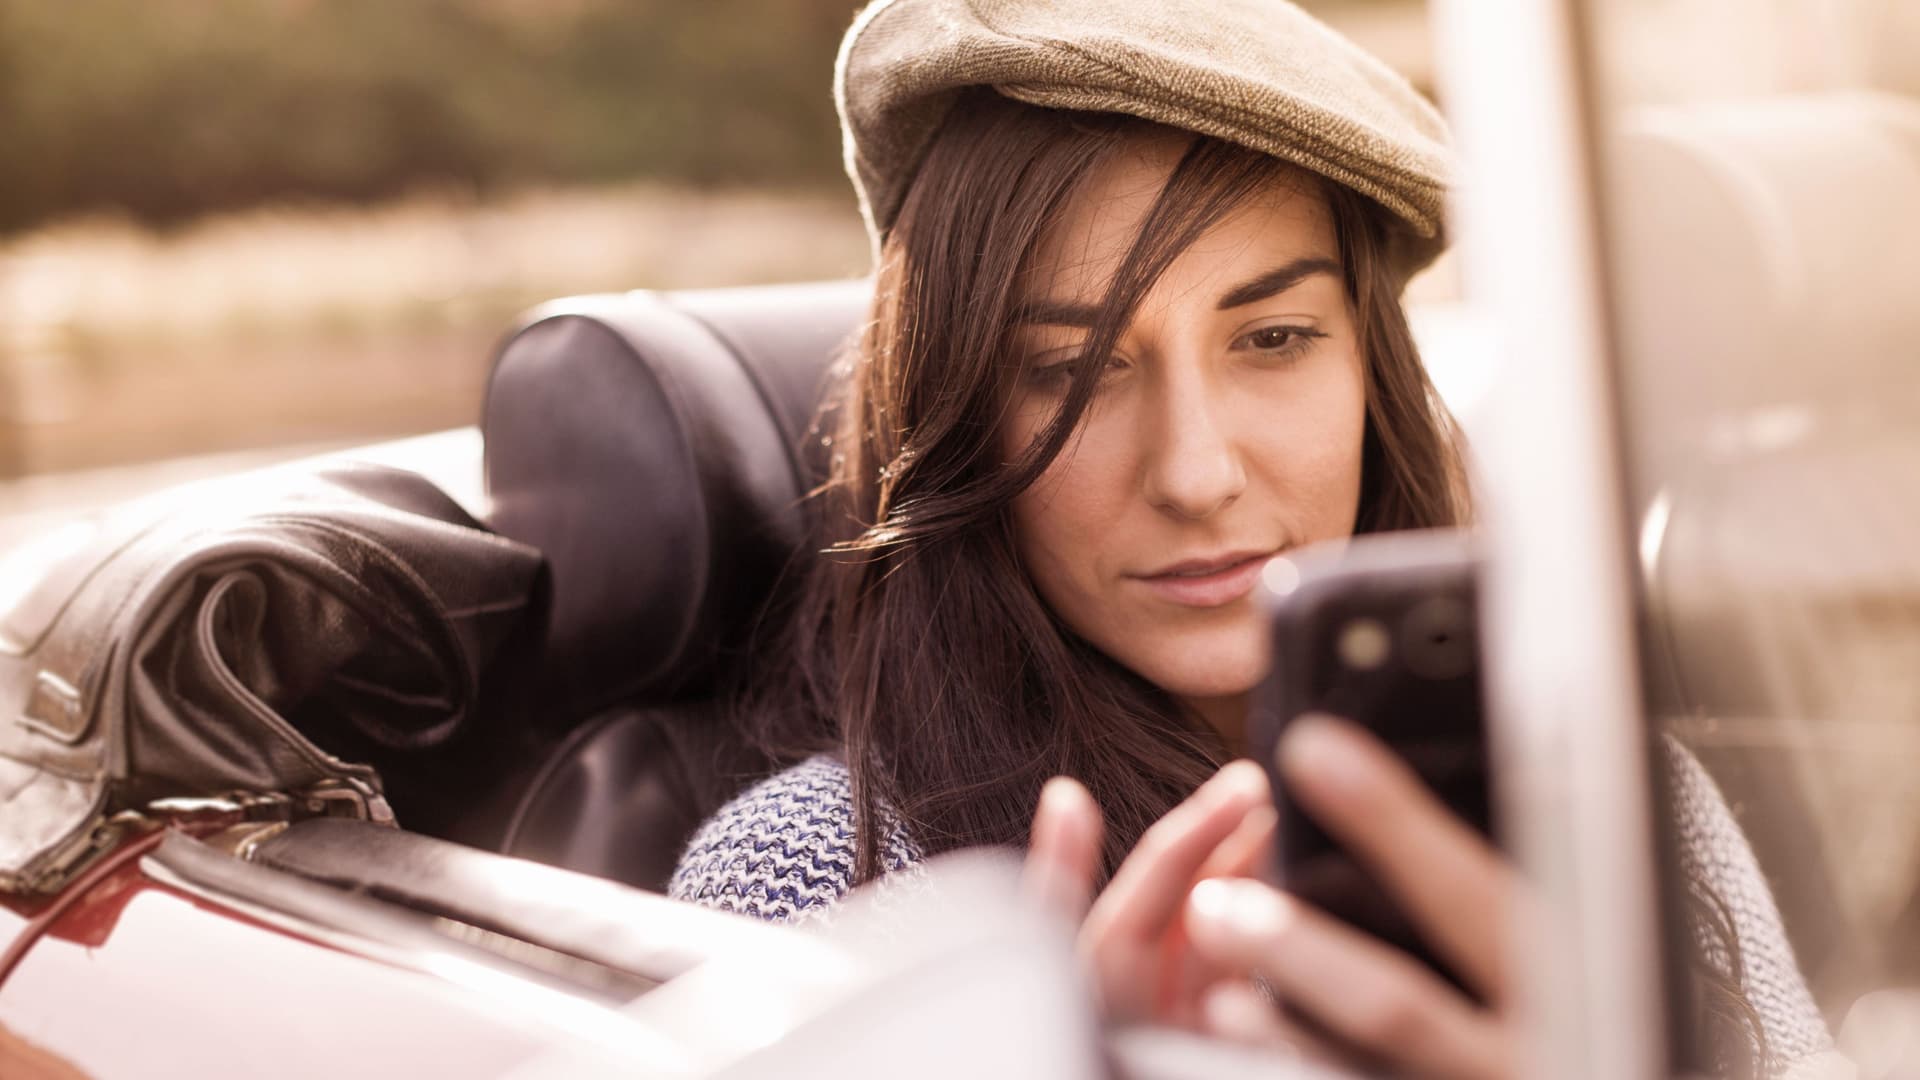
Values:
[(1240, 781), (1242, 908), (1210, 899), (1323, 751), (1062, 793), (1053, 791)]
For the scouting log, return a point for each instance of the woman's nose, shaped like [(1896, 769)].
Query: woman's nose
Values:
[(1194, 470)]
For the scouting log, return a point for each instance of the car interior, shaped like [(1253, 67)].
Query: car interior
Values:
[(539, 682), (1774, 566), (655, 448)]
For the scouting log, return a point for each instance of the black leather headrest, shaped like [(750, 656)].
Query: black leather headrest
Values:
[(650, 445)]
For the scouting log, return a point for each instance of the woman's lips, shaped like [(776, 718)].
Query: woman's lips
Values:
[(1212, 589)]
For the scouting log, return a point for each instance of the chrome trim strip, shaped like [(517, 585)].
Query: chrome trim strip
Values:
[(600, 921)]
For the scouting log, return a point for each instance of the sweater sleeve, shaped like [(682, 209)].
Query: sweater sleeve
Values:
[(1712, 849), (783, 849)]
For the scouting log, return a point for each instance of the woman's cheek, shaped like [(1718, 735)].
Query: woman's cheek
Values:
[(1312, 434), (1073, 505), (1067, 523)]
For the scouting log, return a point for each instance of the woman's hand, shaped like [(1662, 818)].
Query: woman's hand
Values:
[(1183, 929), (1457, 890), (1131, 938)]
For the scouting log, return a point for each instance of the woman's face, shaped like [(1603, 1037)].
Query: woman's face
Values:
[(1226, 429)]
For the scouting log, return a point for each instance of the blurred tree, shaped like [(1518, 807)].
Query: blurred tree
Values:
[(166, 111)]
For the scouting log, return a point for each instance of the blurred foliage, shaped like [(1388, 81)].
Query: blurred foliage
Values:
[(166, 109)]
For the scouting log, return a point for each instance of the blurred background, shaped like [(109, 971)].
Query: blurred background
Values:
[(232, 224), (276, 226), (1759, 182)]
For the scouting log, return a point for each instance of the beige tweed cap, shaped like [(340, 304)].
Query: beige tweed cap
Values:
[(1260, 73)]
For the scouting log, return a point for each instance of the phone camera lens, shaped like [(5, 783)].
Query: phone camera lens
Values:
[(1438, 638)]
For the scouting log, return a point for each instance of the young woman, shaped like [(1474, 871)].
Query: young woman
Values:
[(1134, 334)]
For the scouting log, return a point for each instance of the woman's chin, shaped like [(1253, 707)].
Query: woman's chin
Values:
[(1226, 670)]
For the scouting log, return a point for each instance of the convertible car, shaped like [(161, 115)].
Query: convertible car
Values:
[(417, 731)]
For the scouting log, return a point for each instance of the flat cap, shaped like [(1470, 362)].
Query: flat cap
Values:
[(1260, 73)]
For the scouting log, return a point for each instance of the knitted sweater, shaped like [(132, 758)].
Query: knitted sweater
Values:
[(783, 851)]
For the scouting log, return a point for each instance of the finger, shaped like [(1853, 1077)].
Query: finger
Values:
[(1237, 1011), (1247, 850), (1383, 1002), (1244, 853), (1234, 1010), (1064, 853), (1146, 893), (1457, 889)]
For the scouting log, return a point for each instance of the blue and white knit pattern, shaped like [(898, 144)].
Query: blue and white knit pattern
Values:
[(783, 849)]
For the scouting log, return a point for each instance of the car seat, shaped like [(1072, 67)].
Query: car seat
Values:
[(655, 446)]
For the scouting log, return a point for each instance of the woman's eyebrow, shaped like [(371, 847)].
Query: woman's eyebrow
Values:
[(1271, 283), (1277, 281)]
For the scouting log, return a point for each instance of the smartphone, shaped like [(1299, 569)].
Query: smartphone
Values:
[(1381, 630)]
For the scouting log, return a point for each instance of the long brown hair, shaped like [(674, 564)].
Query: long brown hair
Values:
[(919, 648)]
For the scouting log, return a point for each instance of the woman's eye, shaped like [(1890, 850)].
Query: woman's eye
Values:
[(1278, 339)]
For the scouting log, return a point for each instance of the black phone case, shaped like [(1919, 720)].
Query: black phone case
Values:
[(1383, 632)]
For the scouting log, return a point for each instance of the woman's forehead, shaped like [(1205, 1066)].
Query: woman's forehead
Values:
[(1285, 220)]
